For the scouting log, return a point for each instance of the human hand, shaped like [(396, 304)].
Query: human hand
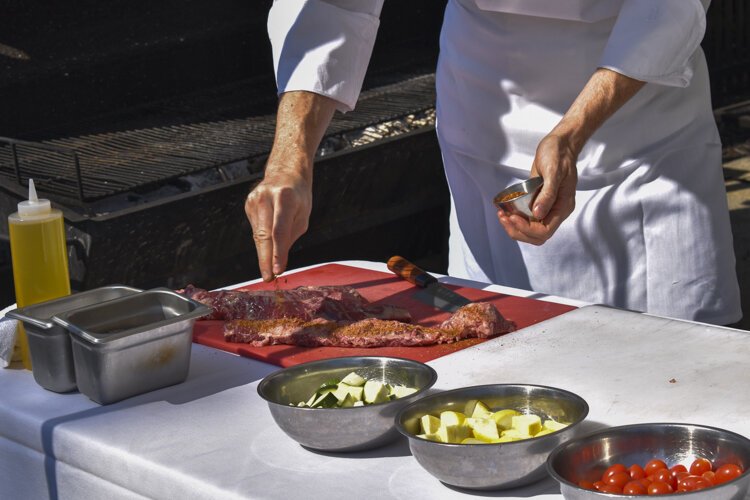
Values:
[(555, 162), (278, 209)]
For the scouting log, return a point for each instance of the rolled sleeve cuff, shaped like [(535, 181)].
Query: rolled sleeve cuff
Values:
[(321, 48), (655, 40)]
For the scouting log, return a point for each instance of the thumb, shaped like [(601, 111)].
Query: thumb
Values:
[(546, 196)]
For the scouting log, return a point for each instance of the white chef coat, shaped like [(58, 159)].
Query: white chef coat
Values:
[(650, 231)]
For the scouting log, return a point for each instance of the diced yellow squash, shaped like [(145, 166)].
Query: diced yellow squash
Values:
[(429, 424), (476, 409), (473, 441), (430, 437), (513, 435), (469, 406), (453, 433), (543, 432), (553, 425), (452, 418), (527, 425), (485, 429), (503, 418), (507, 439)]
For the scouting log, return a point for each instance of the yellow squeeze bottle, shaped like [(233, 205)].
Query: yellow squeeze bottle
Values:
[(39, 257)]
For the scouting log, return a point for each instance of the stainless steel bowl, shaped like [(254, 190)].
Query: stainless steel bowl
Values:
[(500, 465), (342, 429), (519, 198), (586, 458)]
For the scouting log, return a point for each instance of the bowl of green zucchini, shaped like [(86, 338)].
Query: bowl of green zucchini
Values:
[(344, 404)]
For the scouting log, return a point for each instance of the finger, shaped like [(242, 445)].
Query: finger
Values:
[(284, 235), (515, 228), (547, 196), (532, 232), (259, 211)]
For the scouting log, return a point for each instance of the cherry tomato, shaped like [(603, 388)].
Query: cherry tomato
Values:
[(634, 487), (586, 484), (709, 476), (598, 485), (645, 481), (701, 483), (611, 488), (678, 469), (699, 466), (659, 488), (654, 465), (689, 482), (612, 469), (636, 471), (727, 472), (665, 476), (618, 479)]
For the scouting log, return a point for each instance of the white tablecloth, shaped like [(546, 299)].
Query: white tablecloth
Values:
[(212, 437)]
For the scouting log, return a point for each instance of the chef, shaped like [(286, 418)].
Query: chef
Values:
[(607, 100)]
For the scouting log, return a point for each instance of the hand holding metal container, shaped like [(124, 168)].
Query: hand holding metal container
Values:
[(519, 198)]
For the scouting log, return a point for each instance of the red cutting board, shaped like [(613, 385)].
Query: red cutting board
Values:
[(376, 287)]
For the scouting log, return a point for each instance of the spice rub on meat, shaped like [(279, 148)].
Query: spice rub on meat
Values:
[(305, 303), (476, 320)]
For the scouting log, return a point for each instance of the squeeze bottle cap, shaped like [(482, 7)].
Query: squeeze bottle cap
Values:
[(34, 206)]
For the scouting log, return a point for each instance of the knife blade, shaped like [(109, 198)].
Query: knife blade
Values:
[(431, 291)]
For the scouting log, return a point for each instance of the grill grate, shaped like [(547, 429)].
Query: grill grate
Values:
[(93, 167)]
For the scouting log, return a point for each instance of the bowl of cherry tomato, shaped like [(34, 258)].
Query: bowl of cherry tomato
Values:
[(695, 462)]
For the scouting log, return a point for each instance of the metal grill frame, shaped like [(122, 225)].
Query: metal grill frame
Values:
[(90, 168)]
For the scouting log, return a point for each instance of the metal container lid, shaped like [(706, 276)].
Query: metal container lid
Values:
[(40, 315), (144, 314)]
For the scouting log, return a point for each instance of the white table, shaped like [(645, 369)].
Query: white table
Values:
[(212, 437)]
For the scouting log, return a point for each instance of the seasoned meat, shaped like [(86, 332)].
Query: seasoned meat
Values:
[(306, 303), (478, 320)]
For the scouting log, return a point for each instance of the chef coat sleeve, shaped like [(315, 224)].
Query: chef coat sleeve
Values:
[(655, 40), (323, 46)]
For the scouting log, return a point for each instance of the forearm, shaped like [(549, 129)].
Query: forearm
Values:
[(605, 93), (301, 121)]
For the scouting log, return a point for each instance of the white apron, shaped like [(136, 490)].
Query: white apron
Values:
[(650, 231)]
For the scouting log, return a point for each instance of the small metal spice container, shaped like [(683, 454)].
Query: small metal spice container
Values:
[(132, 345), (49, 343), (519, 198)]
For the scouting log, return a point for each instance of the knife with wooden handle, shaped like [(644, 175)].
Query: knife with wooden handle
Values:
[(431, 291)]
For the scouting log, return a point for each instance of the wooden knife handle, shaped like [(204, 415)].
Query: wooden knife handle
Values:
[(408, 271)]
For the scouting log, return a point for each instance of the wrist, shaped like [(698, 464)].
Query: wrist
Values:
[(572, 132), (289, 162)]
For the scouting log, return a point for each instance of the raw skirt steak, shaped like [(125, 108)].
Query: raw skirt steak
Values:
[(305, 303), (476, 320)]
